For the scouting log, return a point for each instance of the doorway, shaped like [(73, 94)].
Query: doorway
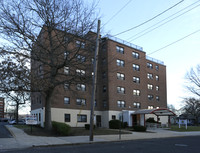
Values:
[(98, 117)]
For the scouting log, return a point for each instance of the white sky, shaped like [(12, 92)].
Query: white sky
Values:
[(179, 57)]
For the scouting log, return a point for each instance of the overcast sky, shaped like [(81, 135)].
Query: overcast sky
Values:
[(173, 21)]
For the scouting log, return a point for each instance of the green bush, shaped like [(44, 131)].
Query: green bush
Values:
[(115, 124), (151, 120), (125, 124), (61, 128), (87, 126), (140, 128)]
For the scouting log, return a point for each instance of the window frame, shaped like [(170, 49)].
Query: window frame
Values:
[(67, 119), (120, 63), (135, 55), (136, 67), (136, 92), (120, 49), (81, 118), (68, 101), (120, 90), (121, 103)]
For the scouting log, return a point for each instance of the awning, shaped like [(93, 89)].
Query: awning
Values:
[(157, 112)]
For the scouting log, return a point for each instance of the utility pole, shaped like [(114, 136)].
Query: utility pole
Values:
[(94, 82)]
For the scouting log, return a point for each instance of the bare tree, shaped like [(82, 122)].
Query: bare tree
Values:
[(53, 35), (193, 78), (192, 107), (15, 82)]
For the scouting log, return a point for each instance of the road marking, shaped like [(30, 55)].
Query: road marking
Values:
[(181, 145)]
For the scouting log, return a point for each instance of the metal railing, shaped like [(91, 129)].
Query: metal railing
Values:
[(154, 60), (124, 42)]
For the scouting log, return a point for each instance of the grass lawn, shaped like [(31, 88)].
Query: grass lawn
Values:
[(38, 131), (183, 129)]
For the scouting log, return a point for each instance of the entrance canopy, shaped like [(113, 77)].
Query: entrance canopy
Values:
[(157, 112)]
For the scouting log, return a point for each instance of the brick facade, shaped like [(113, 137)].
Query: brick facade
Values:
[(117, 90)]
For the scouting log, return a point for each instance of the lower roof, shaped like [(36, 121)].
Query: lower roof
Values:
[(157, 112)]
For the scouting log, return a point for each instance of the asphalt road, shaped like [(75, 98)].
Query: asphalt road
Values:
[(167, 145), (4, 133)]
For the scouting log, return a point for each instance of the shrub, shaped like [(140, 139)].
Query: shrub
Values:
[(151, 120), (125, 124), (139, 128), (61, 128), (87, 126), (115, 124)]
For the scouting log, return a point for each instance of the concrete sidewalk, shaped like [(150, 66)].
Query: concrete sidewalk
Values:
[(21, 140)]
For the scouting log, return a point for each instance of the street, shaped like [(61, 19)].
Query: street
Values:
[(167, 145), (4, 133)]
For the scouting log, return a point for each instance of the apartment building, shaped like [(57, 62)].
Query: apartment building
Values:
[(127, 81), (1, 107)]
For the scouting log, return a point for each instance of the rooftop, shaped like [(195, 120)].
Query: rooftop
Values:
[(124, 42)]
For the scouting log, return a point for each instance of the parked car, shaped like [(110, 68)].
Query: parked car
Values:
[(20, 121)]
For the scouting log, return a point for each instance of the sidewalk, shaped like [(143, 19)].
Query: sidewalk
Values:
[(21, 140)]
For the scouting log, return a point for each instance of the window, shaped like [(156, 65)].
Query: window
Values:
[(104, 104), (66, 86), (150, 107), (113, 117), (81, 87), (121, 103), (120, 49), (104, 75), (80, 72), (104, 88), (120, 76), (66, 100), (80, 58), (121, 90), (150, 86), (95, 103), (103, 61), (66, 70), (157, 67), (67, 117), (135, 55), (136, 79), (149, 76), (157, 78), (136, 67), (136, 92), (80, 101), (81, 118), (150, 97), (80, 44), (120, 63), (66, 55), (136, 105), (149, 65), (157, 88), (157, 98)]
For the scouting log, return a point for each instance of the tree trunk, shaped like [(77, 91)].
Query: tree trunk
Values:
[(48, 124), (17, 116)]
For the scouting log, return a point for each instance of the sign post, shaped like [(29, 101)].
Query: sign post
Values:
[(31, 120), (181, 121)]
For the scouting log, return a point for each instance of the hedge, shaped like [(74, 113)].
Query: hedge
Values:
[(61, 128), (139, 128)]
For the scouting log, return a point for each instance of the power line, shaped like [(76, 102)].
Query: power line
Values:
[(140, 35), (116, 13), (149, 19), (175, 41)]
